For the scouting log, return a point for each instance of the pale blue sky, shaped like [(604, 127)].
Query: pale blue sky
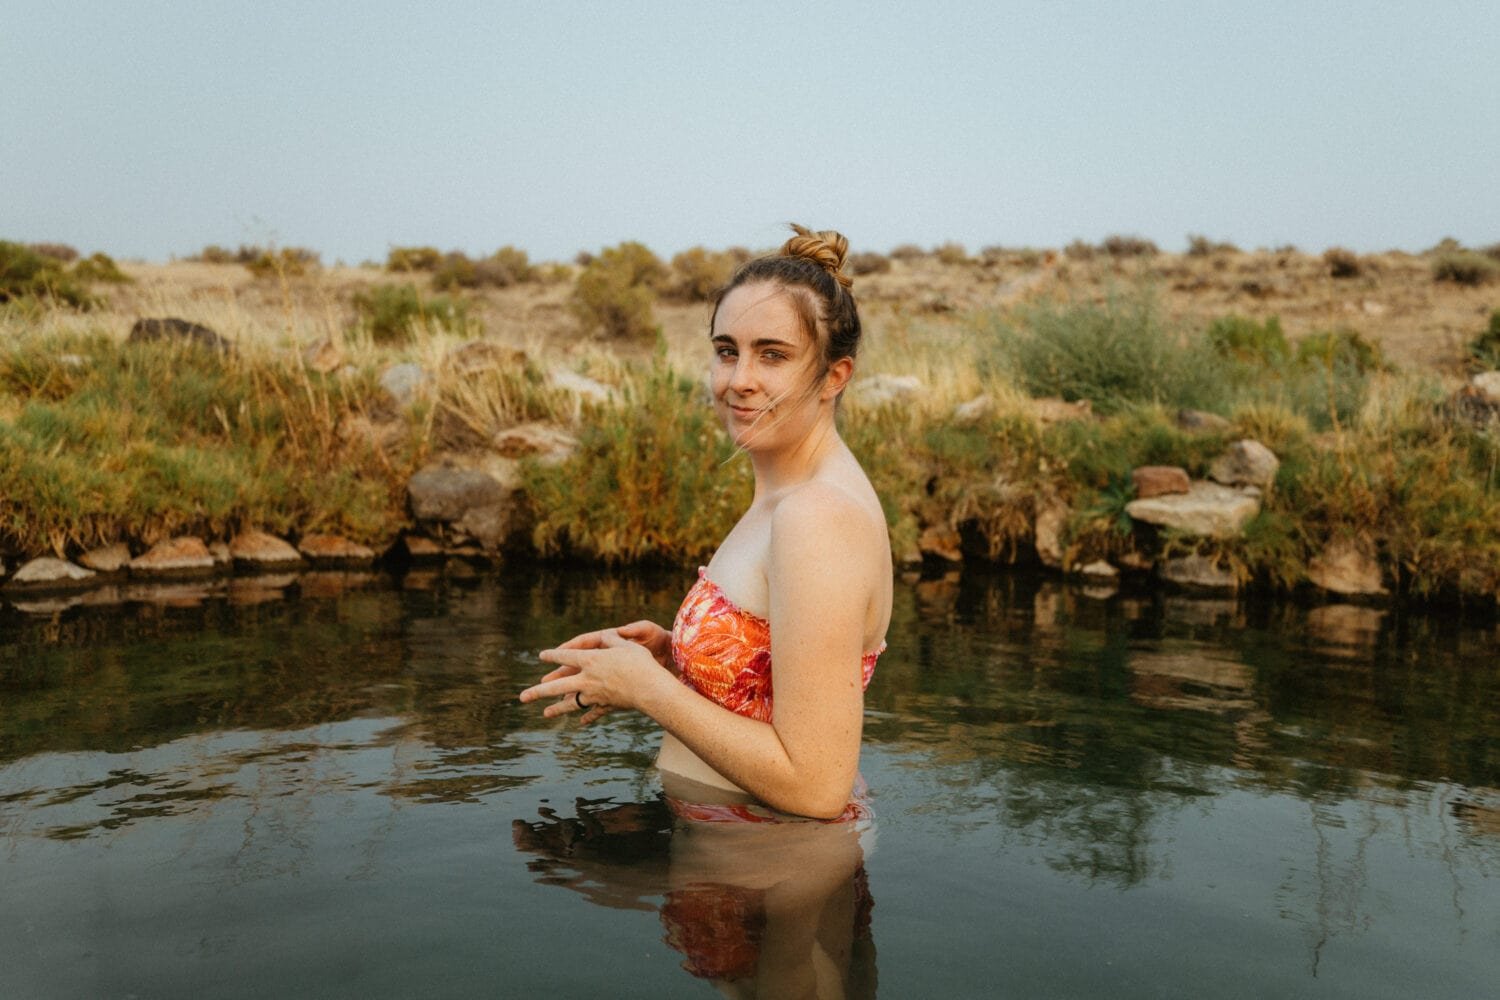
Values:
[(151, 129)]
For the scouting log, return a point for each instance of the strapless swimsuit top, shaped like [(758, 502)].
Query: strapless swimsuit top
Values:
[(724, 652)]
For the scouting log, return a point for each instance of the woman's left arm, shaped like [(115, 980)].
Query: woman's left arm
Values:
[(821, 573)]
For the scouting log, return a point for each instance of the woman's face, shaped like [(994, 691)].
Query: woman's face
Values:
[(765, 373)]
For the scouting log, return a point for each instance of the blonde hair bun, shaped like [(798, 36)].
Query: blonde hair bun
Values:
[(826, 248)]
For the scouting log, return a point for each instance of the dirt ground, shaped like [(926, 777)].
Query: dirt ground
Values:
[(1393, 301)]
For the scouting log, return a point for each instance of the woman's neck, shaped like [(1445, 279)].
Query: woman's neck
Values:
[(784, 468)]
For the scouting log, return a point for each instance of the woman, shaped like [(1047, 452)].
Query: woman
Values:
[(798, 593)]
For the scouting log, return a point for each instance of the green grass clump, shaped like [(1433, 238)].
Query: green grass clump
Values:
[(389, 312), (654, 478), (1246, 340), (286, 262), (104, 441), (29, 276), (1484, 350), (100, 267), (615, 294), (1465, 267), (1116, 354)]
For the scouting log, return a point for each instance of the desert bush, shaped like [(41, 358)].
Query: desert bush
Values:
[(951, 254), (1341, 347), (907, 251), (287, 262), (614, 295), (1129, 246), (505, 267), (1342, 263), (408, 259), (1202, 246), (100, 267), (1484, 350), (1464, 267), (1115, 354), (698, 273), (1246, 340), (389, 312), (214, 254), (1492, 251), (60, 252), (455, 270), (1079, 250), (649, 479), (26, 275), (868, 262)]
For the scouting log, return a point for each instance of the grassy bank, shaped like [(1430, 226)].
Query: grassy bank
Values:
[(102, 440)]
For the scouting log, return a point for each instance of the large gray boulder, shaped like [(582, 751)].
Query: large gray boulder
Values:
[(478, 503), (1205, 510), (172, 329), (1197, 573), (1346, 567), (885, 389), (179, 557), (1245, 463), (47, 573)]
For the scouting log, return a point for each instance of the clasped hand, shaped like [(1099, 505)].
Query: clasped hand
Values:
[(608, 669)]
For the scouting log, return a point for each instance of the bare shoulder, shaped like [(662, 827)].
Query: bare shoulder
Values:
[(823, 519)]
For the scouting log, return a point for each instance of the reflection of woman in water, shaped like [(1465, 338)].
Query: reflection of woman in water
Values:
[(797, 597)]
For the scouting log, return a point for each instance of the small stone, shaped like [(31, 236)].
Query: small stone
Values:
[(1197, 572), (885, 389), (107, 558), (183, 556), (421, 549), (1202, 422), (968, 413), (220, 553), (1207, 509), (1245, 463), (1488, 386), (402, 381), (1100, 570), (580, 385), (553, 444), (1159, 480), (1346, 567), (259, 550), (323, 357), (1136, 562), (1052, 410), (334, 550), (1048, 533), (941, 542), (47, 573)]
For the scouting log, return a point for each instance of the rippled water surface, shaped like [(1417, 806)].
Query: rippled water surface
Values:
[(324, 787)]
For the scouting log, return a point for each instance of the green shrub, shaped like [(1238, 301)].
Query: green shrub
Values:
[(1113, 355), (1342, 263), (287, 262), (60, 252), (1129, 246), (614, 295), (407, 259), (505, 267), (455, 270), (1246, 340), (1484, 350), (652, 479), (100, 267), (1464, 267), (1202, 246), (1079, 250), (389, 312), (951, 254), (1341, 347), (698, 274), (868, 262), (28, 275)]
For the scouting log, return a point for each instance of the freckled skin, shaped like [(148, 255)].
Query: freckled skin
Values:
[(810, 554)]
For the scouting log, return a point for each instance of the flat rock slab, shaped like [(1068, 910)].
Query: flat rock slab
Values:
[(335, 550), (1197, 573), (1206, 510), (1344, 567), (107, 559), (179, 557), (259, 550), (48, 573)]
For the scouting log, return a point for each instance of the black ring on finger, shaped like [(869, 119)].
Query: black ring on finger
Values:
[(578, 699)]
